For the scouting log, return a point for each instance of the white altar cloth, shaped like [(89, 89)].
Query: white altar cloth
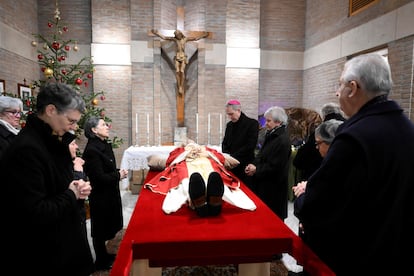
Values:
[(135, 158)]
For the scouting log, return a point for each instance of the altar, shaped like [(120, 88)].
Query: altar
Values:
[(154, 239)]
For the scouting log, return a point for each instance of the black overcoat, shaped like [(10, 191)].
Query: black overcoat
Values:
[(105, 198), (272, 169), (6, 137), (240, 141), (43, 233), (358, 209)]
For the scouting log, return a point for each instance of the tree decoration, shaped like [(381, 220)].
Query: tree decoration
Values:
[(51, 57)]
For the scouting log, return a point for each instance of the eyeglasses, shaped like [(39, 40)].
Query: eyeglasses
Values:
[(317, 143), (71, 121), (15, 113)]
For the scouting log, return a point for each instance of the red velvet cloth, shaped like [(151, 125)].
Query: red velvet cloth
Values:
[(183, 238)]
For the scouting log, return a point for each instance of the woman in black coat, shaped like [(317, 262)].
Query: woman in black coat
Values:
[(42, 224), (105, 199), (271, 166)]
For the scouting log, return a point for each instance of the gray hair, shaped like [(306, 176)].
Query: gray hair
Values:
[(90, 123), (278, 114), (327, 130), (330, 108), (371, 71), (7, 102), (61, 95)]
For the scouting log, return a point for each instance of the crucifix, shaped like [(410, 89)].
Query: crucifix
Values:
[(180, 38)]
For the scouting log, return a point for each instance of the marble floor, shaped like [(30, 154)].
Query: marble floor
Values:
[(129, 200)]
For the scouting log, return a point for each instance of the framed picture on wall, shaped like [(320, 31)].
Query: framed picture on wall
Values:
[(2, 87), (24, 93)]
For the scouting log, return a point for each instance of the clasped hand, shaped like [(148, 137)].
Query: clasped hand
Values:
[(81, 188)]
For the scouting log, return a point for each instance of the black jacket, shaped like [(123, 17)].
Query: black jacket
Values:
[(272, 169), (240, 140), (358, 205), (6, 137), (41, 218), (105, 198)]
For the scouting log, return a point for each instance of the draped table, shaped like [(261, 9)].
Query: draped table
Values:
[(154, 239)]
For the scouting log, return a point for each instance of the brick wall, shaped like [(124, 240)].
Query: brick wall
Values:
[(148, 87)]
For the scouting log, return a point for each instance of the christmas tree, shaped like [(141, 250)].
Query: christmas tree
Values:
[(52, 52)]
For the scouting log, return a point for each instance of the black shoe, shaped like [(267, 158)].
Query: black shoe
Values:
[(197, 191), (111, 257), (215, 191), (103, 265)]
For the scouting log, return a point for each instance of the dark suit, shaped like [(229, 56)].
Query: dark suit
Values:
[(357, 209)]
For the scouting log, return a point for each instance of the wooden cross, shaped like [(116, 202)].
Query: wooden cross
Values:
[(180, 37)]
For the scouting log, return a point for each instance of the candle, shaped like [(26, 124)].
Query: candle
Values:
[(136, 128), (208, 128), (147, 123), (159, 129), (221, 123), (148, 129), (208, 123), (197, 128)]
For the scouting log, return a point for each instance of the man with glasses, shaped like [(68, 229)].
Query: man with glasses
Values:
[(40, 196), (358, 210), (10, 113)]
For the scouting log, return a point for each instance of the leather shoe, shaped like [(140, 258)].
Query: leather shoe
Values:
[(197, 191), (215, 190), (103, 265)]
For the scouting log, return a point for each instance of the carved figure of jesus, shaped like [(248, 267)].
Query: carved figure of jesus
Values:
[(180, 57)]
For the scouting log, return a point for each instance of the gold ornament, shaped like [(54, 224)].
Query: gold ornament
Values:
[(45, 46), (48, 72), (34, 43), (75, 48), (95, 101)]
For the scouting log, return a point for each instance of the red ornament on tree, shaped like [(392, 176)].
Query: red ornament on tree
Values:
[(50, 25), (67, 47), (55, 45), (78, 81)]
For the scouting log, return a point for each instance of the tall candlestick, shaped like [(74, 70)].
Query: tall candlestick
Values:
[(148, 129), (159, 129), (197, 128), (208, 128), (136, 129), (221, 127)]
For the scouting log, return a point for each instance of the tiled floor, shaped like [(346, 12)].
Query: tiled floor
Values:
[(129, 200)]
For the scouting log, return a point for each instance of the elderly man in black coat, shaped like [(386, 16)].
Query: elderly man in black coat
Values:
[(240, 139), (358, 210)]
